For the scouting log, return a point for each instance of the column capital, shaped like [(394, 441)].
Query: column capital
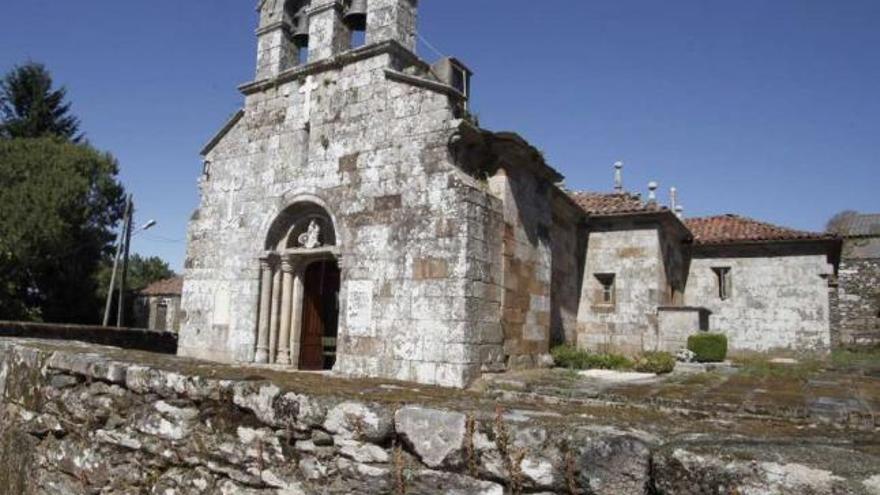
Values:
[(265, 263), (288, 265)]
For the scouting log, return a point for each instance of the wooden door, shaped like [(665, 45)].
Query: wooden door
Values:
[(320, 316)]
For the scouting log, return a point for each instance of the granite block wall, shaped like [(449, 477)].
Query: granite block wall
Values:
[(777, 302), (857, 298), (634, 257)]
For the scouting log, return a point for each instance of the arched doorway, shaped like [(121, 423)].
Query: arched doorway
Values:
[(299, 290), (320, 318)]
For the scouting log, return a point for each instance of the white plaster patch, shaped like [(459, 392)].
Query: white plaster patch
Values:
[(220, 315), (359, 308)]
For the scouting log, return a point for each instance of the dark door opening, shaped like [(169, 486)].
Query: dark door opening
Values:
[(320, 321), (161, 316)]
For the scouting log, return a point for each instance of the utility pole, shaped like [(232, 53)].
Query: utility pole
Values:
[(120, 310), (119, 241)]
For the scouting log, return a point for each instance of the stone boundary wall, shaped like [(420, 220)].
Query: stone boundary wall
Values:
[(856, 303), (85, 420), (126, 338)]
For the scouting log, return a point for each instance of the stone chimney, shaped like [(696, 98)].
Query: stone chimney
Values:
[(679, 211), (673, 198), (652, 191), (618, 177)]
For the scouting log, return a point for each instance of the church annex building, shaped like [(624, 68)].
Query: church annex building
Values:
[(354, 217)]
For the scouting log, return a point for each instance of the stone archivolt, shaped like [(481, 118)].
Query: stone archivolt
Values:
[(282, 280)]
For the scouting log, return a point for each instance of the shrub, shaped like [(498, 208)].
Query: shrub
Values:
[(655, 362), (708, 347), (567, 356)]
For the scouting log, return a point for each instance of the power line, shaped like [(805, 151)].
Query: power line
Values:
[(430, 46)]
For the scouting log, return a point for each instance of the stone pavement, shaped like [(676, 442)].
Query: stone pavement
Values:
[(833, 398)]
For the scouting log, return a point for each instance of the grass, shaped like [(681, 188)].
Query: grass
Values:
[(758, 366), (865, 361), (570, 357)]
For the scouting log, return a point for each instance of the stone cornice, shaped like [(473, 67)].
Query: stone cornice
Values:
[(423, 83), (271, 27), (335, 62)]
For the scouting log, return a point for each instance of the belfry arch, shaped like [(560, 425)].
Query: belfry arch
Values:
[(298, 305)]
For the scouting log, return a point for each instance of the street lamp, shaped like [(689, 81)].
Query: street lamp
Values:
[(123, 243)]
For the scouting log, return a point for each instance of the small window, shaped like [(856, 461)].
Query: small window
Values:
[(606, 294), (722, 275)]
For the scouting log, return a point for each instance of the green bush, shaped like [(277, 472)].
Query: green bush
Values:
[(708, 347), (655, 362), (567, 356)]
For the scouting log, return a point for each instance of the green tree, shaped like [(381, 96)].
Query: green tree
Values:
[(31, 108), (59, 202), (142, 272)]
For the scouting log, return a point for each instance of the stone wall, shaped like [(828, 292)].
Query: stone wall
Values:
[(632, 253), (81, 423), (568, 240), (676, 323), (146, 312), (857, 298), (374, 153), (779, 298), (127, 338), (365, 134), (526, 263), (78, 419)]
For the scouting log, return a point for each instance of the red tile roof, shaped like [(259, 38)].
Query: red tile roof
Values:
[(599, 204), (732, 229), (169, 287)]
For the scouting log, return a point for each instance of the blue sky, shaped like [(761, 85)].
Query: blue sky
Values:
[(769, 109)]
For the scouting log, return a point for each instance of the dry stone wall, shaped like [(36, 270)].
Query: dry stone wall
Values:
[(79, 420)]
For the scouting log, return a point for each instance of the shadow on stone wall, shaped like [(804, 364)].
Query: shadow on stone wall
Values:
[(126, 338)]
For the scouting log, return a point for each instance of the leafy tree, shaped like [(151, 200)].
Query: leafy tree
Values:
[(58, 204), (142, 272), (31, 108), (838, 222)]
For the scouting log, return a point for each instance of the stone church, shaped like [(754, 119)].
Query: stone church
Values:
[(354, 217)]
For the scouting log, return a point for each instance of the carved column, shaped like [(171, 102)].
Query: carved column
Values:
[(276, 312), (265, 308), (296, 325), (286, 300)]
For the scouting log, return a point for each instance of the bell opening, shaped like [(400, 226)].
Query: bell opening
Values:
[(356, 15)]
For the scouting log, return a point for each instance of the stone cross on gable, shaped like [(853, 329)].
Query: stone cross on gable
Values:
[(306, 90), (231, 189)]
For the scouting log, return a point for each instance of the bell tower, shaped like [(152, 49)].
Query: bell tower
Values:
[(297, 32)]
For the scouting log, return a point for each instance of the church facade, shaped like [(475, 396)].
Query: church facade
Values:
[(354, 217)]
